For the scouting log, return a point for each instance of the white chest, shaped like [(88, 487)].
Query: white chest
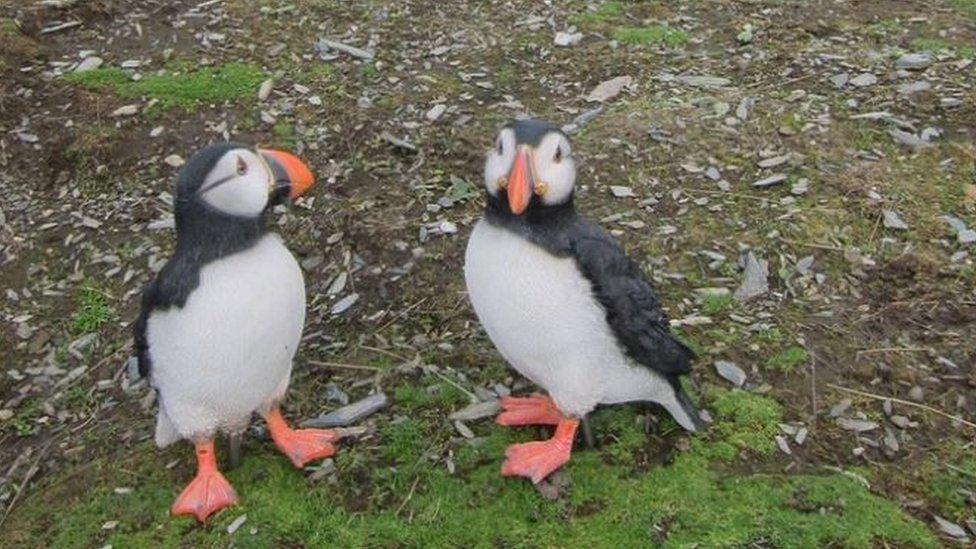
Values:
[(232, 344)]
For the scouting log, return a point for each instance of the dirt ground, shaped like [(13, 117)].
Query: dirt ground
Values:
[(832, 140)]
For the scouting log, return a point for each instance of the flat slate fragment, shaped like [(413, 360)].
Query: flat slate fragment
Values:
[(476, 411), (350, 414)]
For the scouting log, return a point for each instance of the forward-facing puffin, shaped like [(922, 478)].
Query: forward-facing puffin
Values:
[(562, 302), (221, 321)]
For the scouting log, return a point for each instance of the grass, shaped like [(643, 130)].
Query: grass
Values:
[(413, 501), (968, 7), (713, 304), (604, 13), (92, 311), (652, 35), (789, 360), (946, 486), (184, 87)]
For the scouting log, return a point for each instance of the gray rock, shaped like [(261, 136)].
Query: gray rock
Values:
[(774, 161), (324, 45), (904, 138), (754, 280), (334, 394), (347, 415), (238, 522), (914, 61), (804, 265), (858, 425), (730, 372), (951, 529), (344, 304), (607, 90), (774, 179), (840, 80), (565, 39), (463, 430), (894, 221), (478, 410), (713, 173), (703, 81), (89, 64), (914, 87), (744, 108), (864, 80), (621, 192)]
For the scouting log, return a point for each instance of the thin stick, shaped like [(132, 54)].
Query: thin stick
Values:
[(344, 366), (960, 470), (385, 352), (814, 245), (905, 402), (895, 350), (407, 499), (456, 386)]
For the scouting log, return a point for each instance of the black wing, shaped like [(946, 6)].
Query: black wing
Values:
[(171, 287), (633, 310)]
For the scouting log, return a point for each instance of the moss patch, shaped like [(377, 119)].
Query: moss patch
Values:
[(789, 360), (93, 311), (185, 88), (413, 501), (655, 34)]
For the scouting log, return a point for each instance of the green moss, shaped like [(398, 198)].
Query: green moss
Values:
[(884, 27), (604, 13), (655, 34), (968, 7), (788, 360), (92, 312), (946, 485), (714, 304), (746, 422), (931, 44), (437, 395), (186, 88)]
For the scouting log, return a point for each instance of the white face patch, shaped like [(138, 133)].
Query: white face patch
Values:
[(238, 184), (554, 168), (499, 160)]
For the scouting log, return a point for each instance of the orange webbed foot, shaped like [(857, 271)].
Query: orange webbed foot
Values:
[(301, 446), (533, 410), (537, 460), (209, 492)]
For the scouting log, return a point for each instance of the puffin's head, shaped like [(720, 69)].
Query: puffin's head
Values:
[(530, 166), (240, 181)]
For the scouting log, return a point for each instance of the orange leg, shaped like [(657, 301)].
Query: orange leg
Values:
[(209, 492), (537, 460), (533, 410), (300, 445)]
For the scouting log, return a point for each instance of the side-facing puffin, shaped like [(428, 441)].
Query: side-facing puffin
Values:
[(562, 302), (221, 321)]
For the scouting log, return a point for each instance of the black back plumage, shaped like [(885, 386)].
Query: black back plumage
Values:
[(203, 234), (633, 310)]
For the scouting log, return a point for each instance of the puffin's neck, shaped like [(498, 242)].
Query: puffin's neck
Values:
[(540, 224), (206, 234)]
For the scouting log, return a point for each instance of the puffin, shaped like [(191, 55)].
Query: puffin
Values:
[(563, 303), (221, 321)]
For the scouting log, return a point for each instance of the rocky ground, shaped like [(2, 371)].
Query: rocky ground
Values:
[(798, 177)]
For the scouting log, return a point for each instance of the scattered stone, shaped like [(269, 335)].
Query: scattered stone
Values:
[(110, 525), (864, 80), (754, 280), (236, 524), (89, 64), (703, 81), (840, 80), (344, 304), (347, 415), (744, 108), (264, 90), (581, 120), (565, 39), (804, 265), (774, 179), (730, 372), (783, 445), (916, 393), (914, 87), (894, 221), (478, 410), (174, 161), (334, 394), (857, 425), (774, 161), (125, 110), (801, 187), (463, 430), (609, 89), (435, 112), (324, 45), (904, 138), (951, 529), (914, 61), (621, 192)]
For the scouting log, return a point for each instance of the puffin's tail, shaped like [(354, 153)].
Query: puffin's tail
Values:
[(683, 410)]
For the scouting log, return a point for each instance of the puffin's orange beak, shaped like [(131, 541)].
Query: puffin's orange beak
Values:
[(520, 182), (289, 172)]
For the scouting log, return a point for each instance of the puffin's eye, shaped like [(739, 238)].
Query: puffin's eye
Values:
[(500, 147), (559, 155), (241, 166)]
